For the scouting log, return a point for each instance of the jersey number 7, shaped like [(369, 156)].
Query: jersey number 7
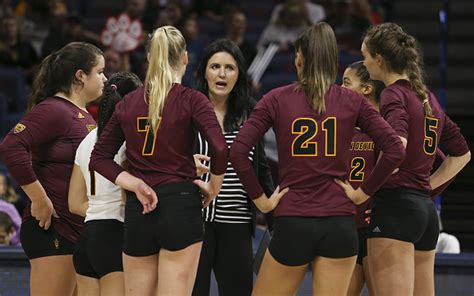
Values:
[(144, 126)]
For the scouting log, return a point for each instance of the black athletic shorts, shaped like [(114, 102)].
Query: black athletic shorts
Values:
[(98, 251), (37, 242), (362, 233), (407, 215), (298, 240), (175, 224)]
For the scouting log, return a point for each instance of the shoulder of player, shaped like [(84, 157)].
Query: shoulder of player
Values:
[(282, 93), (187, 93), (396, 90), (131, 97), (345, 96), (57, 108)]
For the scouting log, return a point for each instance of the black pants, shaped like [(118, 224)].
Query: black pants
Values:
[(226, 249)]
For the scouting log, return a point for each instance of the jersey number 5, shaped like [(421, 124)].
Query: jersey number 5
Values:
[(143, 126), (431, 137), (357, 169), (307, 129)]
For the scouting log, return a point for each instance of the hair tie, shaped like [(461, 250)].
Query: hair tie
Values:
[(166, 33), (113, 86)]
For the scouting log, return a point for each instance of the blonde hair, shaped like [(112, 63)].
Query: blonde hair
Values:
[(165, 50), (318, 47)]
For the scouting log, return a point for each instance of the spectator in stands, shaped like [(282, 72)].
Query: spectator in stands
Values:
[(7, 197), (195, 44), (171, 15), (15, 220), (236, 25), (115, 62), (15, 51), (316, 12), (213, 10), (7, 192), (347, 26), (64, 30), (135, 9), (7, 230), (292, 20), (34, 24)]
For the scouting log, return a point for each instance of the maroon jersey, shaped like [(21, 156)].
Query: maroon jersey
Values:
[(403, 110), (165, 156), (51, 133), (361, 162), (439, 158), (313, 148)]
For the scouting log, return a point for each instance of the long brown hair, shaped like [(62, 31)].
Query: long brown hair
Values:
[(318, 47), (401, 53)]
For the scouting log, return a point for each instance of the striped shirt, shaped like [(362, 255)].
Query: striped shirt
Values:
[(232, 204)]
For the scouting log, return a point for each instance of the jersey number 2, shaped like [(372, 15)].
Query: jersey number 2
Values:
[(306, 129), (143, 126), (357, 169)]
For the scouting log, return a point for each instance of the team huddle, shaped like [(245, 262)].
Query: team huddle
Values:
[(169, 182)]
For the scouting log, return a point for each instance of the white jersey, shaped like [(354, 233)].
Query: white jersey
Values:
[(105, 198)]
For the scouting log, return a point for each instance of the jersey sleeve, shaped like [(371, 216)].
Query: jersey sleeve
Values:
[(393, 110), (41, 125), (387, 140), (260, 120), (204, 118), (107, 146), (452, 140)]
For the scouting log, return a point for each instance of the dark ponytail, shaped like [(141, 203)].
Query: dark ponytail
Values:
[(58, 70), (118, 85)]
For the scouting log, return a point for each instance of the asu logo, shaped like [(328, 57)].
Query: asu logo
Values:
[(90, 127), (80, 115), (19, 128)]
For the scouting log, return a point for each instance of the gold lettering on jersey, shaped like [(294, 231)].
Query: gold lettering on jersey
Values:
[(56, 243), (80, 115), (19, 128), (90, 127), (362, 146)]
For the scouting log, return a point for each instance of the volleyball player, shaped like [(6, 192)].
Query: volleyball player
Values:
[(159, 121), (404, 223), (361, 162), (98, 254), (314, 121), (39, 153)]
